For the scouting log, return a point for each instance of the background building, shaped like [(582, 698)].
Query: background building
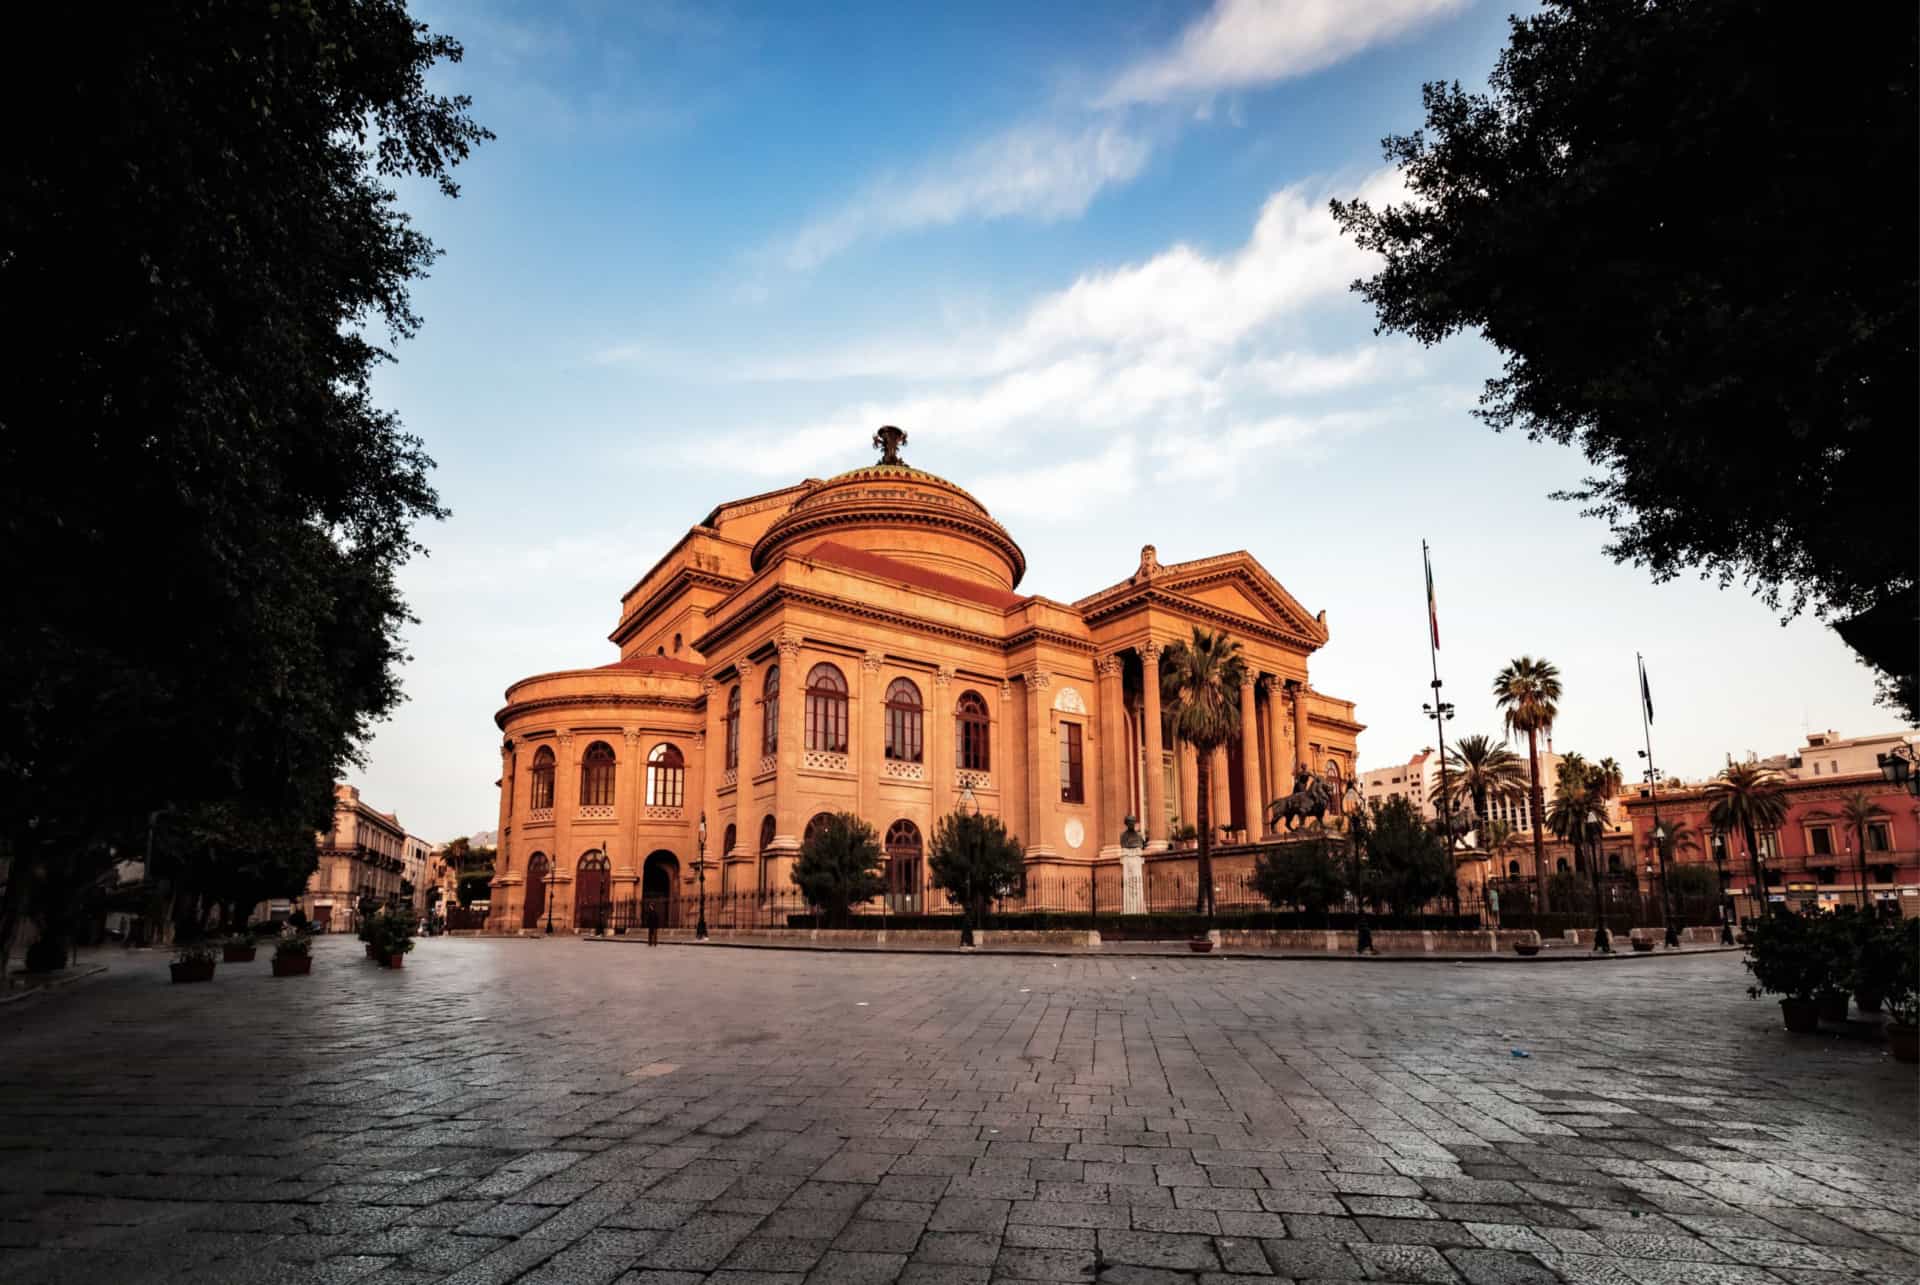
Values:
[(364, 854), (1813, 861), (859, 645)]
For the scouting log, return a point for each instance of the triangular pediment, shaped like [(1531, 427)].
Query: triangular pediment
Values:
[(1232, 584)]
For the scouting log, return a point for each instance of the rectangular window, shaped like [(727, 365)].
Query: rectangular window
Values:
[(1072, 781), (1879, 837), (1820, 840)]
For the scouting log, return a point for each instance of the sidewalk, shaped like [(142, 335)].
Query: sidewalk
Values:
[(1553, 954)]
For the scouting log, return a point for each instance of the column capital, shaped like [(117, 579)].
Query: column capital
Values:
[(1006, 690), (1039, 680), (789, 645), (1108, 665), (745, 668), (633, 738), (943, 676), (708, 687), (1247, 682), (506, 748), (566, 742), (700, 740), (871, 662), (1150, 652), (1273, 684)]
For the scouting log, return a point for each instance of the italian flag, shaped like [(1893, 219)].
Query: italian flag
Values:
[(1433, 609)]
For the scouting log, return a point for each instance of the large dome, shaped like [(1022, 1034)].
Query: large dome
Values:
[(899, 511)]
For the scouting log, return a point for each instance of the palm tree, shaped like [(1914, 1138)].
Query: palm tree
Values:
[(1578, 814), (1748, 798), (1482, 769), (1200, 690), (1861, 811), (1681, 836), (1527, 693)]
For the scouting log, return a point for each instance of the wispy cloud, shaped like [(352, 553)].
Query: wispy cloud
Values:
[(1031, 171), (1177, 346), (1243, 44)]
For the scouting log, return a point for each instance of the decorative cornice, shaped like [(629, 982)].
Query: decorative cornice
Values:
[(1052, 637), (777, 595), (623, 699), (670, 591), (800, 523)]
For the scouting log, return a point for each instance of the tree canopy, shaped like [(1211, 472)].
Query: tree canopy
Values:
[(975, 861), (1689, 229), (839, 866), (202, 510), (1406, 860)]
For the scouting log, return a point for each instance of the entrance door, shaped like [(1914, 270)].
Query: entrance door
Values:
[(659, 882), (535, 904), (903, 868), (592, 890)]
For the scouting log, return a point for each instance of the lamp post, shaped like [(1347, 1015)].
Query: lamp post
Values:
[(552, 867), (1602, 940), (1440, 711), (1897, 767), (700, 928), (1720, 868)]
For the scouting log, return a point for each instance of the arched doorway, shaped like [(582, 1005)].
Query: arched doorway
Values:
[(535, 903), (592, 892), (660, 886), (903, 868)]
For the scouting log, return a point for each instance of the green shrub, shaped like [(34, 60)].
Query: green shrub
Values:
[(291, 944), (1788, 956)]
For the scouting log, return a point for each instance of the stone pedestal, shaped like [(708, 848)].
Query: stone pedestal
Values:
[(1133, 884)]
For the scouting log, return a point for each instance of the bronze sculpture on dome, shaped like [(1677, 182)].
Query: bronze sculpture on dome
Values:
[(889, 440)]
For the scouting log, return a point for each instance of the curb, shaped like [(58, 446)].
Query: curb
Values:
[(19, 989), (1095, 952)]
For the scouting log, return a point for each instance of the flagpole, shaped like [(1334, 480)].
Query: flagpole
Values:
[(1672, 933), (1439, 712)]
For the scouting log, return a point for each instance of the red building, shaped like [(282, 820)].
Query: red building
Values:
[(1812, 862)]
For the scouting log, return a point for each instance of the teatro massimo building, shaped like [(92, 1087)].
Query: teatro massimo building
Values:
[(861, 644)]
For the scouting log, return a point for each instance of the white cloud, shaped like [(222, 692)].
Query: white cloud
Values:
[(1059, 491), (1031, 171), (1241, 44), (1176, 348)]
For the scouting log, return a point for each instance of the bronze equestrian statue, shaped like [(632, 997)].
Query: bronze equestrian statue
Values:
[(1310, 798)]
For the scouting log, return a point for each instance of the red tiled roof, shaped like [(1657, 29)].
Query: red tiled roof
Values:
[(875, 564), (657, 664)]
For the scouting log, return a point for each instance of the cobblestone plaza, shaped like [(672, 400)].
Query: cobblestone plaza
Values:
[(570, 1111)]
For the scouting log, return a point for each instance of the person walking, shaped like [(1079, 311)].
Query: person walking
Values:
[(653, 923)]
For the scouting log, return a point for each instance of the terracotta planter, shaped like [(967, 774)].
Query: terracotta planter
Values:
[(1802, 1015), (1644, 945), (395, 961), (1833, 1006), (237, 954), (1200, 945), (1903, 1042), (193, 972), (1525, 948), (1868, 1001), (292, 965)]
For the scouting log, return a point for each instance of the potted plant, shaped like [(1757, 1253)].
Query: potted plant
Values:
[(1903, 994), (293, 955), (1835, 939), (193, 962), (1527, 944), (238, 949), (393, 936), (1786, 960), (1878, 952)]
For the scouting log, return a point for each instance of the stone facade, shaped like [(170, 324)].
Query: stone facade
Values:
[(859, 645), (364, 854)]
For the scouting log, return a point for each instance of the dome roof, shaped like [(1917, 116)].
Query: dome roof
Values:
[(891, 508)]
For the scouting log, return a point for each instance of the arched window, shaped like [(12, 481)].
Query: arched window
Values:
[(596, 776), (766, 832), (542, 777), (534, 904), (733, 728), (820, 822), (726, 842), (666, 777), (770, 711), (1513, 867), (972, 732), (904, 719), (676, 644), (903, 867), (827, 709)]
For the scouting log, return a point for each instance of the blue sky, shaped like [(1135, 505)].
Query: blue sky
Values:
[(1081, 253)]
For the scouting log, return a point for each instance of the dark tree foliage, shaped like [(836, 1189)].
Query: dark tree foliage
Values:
[(1314, 875), (839, 866), (1689, 227), (975, 861), (201, 509), (1405, 863)]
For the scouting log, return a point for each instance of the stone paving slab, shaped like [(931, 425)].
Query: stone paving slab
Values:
[(1555, 953), (543, 1111)]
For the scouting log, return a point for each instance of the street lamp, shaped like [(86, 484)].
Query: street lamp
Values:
[(1897, 767), (1440, 711), (700, 929), (549, 874)]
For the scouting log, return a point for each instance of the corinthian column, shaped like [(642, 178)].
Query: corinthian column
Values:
[(1043, 765), (1113, 744), (869, 753), (1156, 818), (1250, 757), (786, 785), (1300, 728), (940, 763), (1278, 775)]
